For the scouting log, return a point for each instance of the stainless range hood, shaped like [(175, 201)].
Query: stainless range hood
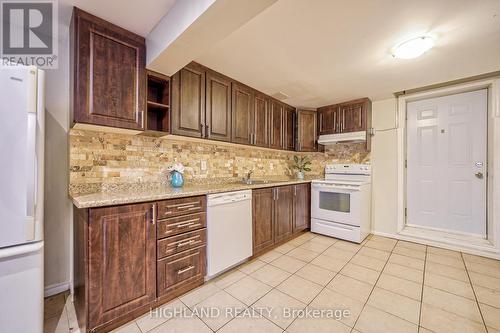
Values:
[(330, 139)]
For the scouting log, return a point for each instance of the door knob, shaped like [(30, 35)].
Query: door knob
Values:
[(479, 175)]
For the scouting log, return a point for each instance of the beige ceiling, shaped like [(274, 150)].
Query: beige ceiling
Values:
[(324, 51), (137, 16)]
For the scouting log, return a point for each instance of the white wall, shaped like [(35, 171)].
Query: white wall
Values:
[(58, 208), (384, 167)]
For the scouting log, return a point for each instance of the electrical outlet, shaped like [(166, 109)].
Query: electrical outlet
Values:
[(203, 165)]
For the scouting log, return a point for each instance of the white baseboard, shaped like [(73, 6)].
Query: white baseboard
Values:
[(57, 288), (488, 252)]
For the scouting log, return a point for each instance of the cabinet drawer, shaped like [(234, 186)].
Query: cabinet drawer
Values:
[(181, 269), (176, 207), (176, 225), (186, 241)]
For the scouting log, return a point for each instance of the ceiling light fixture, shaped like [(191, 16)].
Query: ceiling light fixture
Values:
[(413, 48)]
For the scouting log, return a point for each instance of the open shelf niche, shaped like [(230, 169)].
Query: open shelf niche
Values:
[(158, 102)]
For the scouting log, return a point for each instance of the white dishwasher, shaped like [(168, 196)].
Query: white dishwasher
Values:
[(229, 230)]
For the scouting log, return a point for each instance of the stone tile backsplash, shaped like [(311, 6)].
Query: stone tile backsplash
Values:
[(108, 161)]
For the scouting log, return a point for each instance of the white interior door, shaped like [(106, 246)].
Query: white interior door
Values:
[(446, 163)]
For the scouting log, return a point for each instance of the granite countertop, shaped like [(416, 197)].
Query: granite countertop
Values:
[(102, 199)]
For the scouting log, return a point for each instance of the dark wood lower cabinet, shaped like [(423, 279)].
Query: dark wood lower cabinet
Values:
[(117, 275), (279, 214)]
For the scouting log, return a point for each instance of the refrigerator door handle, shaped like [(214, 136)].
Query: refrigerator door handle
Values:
[(31, 165)]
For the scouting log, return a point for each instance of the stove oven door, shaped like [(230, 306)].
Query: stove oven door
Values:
[(336, 203)]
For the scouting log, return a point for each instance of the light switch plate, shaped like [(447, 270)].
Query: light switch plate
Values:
[(203, 165)]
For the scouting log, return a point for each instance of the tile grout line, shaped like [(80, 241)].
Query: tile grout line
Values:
[(474, 292), (422, 292)]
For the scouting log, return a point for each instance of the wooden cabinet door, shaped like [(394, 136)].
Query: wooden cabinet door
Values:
[(261, 120), (121, 261), (306, 130), (352, 117), (242, 113), (302, 207), (188, 101), (276, 125), (328, 119), (218, 107), (283, 213), (109, 73), (263, 219), (289, 128)]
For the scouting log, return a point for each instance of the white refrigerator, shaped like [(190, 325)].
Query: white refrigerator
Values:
[(21, 198)]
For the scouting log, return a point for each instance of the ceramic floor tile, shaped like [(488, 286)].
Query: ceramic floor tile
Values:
[(350, 287), (315, 246), (404, 251), (297, 241), (347, 246), (72, 318), (446, 260), (481, 260), (493, 271), (57, 323), (329, 263), (182, 325), (302, 254), (248, 290), (400, 286), (324, 239), (484, 281), (329, 299), (368, 262), (438, 320), (491, 316), (360, 273), (444, 252), (317, 325), (398, 305), (412, 246), (407, 261), (275, 303), (270, 275), (373, 320), (299, 288), (404, 272), (199, 294), (227, 308), (381, 245), (227, 279), (452, 303), (270, 256), (251, 266), (456, 287), (247, 324), (447, 271), (338, 253), (487, 296), (285, 248), (128, 328), (316, 274), (374, 253), (158, 316), (53, 305), (289, 264)]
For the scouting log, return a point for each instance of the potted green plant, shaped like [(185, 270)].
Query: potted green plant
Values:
[(301, 164)]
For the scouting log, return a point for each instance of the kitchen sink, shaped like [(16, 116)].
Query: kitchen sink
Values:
[(258, 182)]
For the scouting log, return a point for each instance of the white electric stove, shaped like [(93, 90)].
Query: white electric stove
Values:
[(341, 203)]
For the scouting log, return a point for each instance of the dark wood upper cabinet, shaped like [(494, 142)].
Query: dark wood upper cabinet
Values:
[(302, 207), (306, 130), (261, 120), (353, 116), (108, 77), (289, 128), (276, 124), (121, 261), (263, 219), (242, 113), (283, 212), (218, 106), (328, 119), (188, 101)]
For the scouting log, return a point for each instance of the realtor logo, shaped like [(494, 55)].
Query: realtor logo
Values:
[(29, 33)]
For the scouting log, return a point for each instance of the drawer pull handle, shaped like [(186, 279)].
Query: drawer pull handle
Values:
[(184, 270), (187, 243), (186, 206), (185, 225)]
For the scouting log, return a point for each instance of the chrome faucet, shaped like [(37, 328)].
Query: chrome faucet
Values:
[(249, 174)]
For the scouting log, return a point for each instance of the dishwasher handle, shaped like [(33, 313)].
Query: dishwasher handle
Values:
[(228, 199)]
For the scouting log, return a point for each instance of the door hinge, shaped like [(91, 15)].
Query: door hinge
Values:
[(406, 163), (406, 214)]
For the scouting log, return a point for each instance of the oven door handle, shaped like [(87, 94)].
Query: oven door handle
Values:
[(336, 188)]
